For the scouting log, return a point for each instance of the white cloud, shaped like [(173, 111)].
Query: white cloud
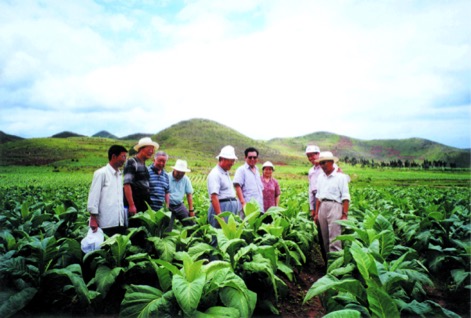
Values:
[(267, 69)]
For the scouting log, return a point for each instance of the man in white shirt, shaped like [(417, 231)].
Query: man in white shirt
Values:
[(332, 201), (105, 199), (220, 188), (312, 154)]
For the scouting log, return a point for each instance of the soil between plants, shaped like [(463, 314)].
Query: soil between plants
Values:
[(291, 306)]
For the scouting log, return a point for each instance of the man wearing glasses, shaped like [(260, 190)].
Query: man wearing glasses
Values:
[(247, 182), (332, 201)]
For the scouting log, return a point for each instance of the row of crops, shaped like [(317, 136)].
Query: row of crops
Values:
[(398, 245)]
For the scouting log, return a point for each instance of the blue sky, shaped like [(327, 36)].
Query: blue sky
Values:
[(268, 69)]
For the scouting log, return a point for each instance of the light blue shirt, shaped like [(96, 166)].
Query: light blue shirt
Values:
[(219, 182), (250, 183), (178, 188)]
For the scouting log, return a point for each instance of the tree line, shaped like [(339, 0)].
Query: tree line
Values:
[(426, 164)]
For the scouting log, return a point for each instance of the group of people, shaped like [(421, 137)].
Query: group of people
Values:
[(114, 195), (248, 185)]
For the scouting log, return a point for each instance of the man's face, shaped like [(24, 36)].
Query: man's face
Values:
[(327, 166), (251, 158), (178, 174), (120, 159), (312, 157), (159, 162), (226, 164), (148, 151)]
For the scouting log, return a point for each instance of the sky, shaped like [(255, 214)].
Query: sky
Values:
[(392, 69)]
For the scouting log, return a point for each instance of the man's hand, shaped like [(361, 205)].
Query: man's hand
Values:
[(93, 222), (132, 210)]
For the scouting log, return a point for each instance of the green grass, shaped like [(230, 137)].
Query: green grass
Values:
[(71, 173)]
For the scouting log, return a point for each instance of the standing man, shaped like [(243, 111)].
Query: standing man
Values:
[(312, 153), (158, 183), (105, 199), (333, 200), (136, 177), (179, 186), (247, 182), (220, 188)]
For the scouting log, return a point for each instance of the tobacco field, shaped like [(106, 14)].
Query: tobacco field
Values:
[(402, 246)]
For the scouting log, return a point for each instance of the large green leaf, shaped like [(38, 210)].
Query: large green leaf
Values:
[(142, 301), (218, 312), (329, 282), (188, 293), (381, 304), (74, 273), (166, 247), (105, 278), (16, 301), (365, 262), (243, 300), (344, 313)]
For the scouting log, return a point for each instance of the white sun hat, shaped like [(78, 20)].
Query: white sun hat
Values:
[(227, 152), (268, 164), (181, 166), (146, 141), (312, 148), (327, 156)]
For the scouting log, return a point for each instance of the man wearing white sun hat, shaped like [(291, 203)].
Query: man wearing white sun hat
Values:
[(332, 201), (136, 176), (220, 188), (180, 185)]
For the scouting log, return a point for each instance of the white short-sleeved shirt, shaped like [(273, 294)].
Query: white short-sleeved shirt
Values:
[(219, 182), (333, 187)]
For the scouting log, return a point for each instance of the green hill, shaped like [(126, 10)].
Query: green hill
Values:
[(7, 138), (200, 140), (105, 134), (66, 134)]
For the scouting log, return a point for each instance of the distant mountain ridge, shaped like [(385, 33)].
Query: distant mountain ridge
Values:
[(66, 134), (7, 138), (203, 138), (105, 134)]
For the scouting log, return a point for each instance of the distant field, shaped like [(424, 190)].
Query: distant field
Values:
[(287, 175)]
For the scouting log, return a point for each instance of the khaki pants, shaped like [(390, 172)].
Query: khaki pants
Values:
[(330, 212)]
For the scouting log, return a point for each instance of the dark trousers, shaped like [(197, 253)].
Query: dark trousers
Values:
[(179, 212)]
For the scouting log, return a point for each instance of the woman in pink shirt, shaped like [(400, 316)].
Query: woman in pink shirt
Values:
[(271, 188)]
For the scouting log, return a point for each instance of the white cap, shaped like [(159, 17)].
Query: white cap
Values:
[(268, 164), (181, 166), (227, 152), (312, 148)]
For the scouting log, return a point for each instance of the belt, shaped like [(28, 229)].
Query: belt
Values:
[(227, 199), (175, 205), (328, 200)]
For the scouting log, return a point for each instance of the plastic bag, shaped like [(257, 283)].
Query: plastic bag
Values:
[(92, 241)]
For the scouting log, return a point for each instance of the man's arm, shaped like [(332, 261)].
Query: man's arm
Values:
[(239, 193), (215, 203), (94, 200), (167, 199), (189, 198), (128, 194), (345, 206)]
